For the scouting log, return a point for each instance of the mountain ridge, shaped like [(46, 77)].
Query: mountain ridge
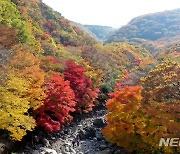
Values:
[(101, 32), (152, 27)]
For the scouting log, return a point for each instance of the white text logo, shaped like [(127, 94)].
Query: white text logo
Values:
[(172, 142)]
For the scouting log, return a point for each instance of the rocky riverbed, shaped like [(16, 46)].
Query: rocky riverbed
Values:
[(82, 136)]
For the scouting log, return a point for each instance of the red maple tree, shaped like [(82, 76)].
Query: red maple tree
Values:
[(82, 86), (60, 102)]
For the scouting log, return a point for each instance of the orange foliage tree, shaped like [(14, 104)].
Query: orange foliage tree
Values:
[(21, 93), (163, 82), (139, 117), (161, 103), (28, 66), (122, 117), (7, 36)]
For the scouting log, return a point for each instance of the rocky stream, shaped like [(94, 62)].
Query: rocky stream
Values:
[(82, 136)]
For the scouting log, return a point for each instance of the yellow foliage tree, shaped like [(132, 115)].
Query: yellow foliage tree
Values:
[(138, 128), (138, 121), (162, 83), (26, 63), (123, 116), (14, 106), (96, 75)]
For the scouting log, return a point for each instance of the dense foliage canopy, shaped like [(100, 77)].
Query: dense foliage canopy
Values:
[(50, 68), (150, 27)]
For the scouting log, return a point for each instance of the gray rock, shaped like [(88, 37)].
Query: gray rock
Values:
[(86, 134), (36, 139), (35, 152), (90, 132), (38, 146), (45, 142), (81, 134), (99, 136), (118, 152), (102, 146), (67, 144), (53, 138), (2, 147), (72, 150), (99, 123), (79, 153), (62, 133), (67, 148), (89, 152), (94, 139), (66, 131), (48, 151), (64, 152), (105, 151)]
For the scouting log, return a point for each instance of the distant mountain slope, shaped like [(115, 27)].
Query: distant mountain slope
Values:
[(174, 48), (85, 29), (171, 53), (150, 27), (101, 32)]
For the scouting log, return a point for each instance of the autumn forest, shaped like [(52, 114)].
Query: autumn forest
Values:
[(51, 70)]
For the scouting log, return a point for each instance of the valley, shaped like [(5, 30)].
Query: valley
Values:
[(68, 88)]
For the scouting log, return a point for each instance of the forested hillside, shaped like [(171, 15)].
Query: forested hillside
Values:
[(51, 71), (150, 27), (41, 50), (101, 32), (171, 53)]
